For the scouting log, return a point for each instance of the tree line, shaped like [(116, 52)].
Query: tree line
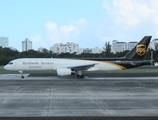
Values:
[(7, 54)]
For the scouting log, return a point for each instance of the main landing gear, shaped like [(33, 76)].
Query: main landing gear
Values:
[(21, 72), (79, 75)]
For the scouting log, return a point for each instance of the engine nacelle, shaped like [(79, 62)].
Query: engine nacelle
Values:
[(63, 71)]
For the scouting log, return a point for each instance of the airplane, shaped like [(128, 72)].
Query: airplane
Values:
[(64, 67)]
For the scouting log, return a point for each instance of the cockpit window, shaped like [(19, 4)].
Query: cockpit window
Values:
[(10, 63)]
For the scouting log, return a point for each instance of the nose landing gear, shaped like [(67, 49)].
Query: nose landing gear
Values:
[(21, 72)]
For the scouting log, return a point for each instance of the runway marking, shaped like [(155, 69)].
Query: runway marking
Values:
[(96, 102), (139, 83)]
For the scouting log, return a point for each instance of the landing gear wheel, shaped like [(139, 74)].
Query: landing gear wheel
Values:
[(21, 72), (80, 76)]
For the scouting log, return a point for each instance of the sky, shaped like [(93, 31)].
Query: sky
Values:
[(89, 23)]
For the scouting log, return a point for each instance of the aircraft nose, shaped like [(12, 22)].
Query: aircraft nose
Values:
[(5, 67)]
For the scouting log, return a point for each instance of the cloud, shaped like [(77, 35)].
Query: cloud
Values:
[(52, 32), (38, 41), (129, 12), (80, 22), (64, 33), (155, 11), (124, 13), (66, 30), (50, 26), (126, 17), (155, 19), (36, 38)]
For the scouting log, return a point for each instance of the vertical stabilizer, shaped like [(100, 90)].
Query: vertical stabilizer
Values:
[(139, 51)]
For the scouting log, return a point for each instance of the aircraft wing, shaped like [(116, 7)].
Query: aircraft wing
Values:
[(82, 67)]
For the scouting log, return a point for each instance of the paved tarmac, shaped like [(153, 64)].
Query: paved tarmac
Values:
[(67, 96)]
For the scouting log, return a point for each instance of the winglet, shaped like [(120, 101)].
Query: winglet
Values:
[(139, 51)]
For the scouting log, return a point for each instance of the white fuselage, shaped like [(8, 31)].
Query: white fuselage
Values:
[(26, 64)]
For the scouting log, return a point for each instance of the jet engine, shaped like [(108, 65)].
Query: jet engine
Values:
[(64, 71)]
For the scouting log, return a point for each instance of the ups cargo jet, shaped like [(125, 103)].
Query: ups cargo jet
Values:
[(65, 67)]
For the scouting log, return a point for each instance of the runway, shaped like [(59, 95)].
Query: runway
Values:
[(68, 96)]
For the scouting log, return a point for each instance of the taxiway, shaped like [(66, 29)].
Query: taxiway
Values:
[(66, 96)]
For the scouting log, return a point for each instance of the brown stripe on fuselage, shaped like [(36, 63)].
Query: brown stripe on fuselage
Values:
[(114, 64)]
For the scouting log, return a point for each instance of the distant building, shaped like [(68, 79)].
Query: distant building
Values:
[(131, 45), (154, 44), (4, 41), (90, 50), (26, 45), (69, 47), (122, 46)]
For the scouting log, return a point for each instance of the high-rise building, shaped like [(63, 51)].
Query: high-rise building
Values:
[(4, 41), (26, 45)]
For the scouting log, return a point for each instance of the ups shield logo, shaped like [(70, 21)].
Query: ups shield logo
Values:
[(141, 49)]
